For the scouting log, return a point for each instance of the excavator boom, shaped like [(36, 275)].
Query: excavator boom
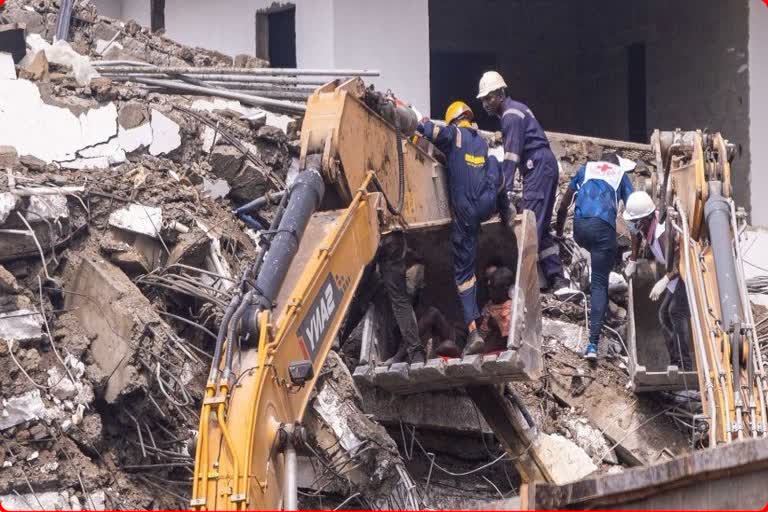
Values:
[(286, 322)]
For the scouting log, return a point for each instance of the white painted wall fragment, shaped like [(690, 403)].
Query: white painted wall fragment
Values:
[(7, 67), (21, 325), (134, 138), (165, 134), (50, 133), (19, 409), (7, 205)]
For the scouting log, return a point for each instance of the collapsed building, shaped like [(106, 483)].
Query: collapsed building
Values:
[(127, 216)]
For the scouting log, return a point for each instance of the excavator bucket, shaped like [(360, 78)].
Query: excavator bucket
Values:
[(649, 362), (521, 360)]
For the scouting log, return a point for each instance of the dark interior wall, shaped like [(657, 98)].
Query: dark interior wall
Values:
[(569, 61)]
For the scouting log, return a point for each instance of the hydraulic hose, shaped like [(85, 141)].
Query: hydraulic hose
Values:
[(213, 376), (232, 333)]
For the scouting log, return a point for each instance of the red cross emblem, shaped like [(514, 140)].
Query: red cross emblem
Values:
[(606, 167)]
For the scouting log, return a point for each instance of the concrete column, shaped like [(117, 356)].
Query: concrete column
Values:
[(758, 109)]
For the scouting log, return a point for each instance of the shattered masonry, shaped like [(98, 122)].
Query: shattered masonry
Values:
[(127, 192)]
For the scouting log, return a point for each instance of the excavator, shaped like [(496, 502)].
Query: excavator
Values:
[(692, 187), (363, 176)]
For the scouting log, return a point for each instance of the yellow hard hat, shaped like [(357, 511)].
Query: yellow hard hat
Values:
[(456, 110)]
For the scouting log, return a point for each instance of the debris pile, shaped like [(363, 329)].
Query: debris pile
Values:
[(123, 233)]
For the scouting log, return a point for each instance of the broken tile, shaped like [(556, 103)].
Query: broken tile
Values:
[(7, 67), (132, 139), (145, 220), (22, 408), (48, 207), (165, 134), (21, 325)]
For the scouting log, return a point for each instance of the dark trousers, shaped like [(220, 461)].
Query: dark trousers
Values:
[(392, 270), (539, 192), (599, 238), (675, 319)]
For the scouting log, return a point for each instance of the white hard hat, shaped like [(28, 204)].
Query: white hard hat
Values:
[(626, 164), (638, 205), (489, 82)]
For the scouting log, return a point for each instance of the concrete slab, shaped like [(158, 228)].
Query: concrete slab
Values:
[(136, 218), (48, 207), (8, 203), (22, 408), (442, 410), (165, 134), (22, 325), (565, 461), (50, 133), (112, 310), (571, 336)]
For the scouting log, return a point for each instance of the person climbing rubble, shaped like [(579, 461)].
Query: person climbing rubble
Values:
[(526, 146), (674, 313), (474, 181), (598, 187)]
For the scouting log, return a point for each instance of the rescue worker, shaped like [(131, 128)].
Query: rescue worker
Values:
[(674, 313), (474, 182), (495, 317), (526, 146), (598, 187)]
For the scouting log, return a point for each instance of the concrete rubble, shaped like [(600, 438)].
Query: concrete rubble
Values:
[(127, 192)]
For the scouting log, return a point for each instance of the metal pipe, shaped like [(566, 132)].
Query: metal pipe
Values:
[(218, 78), (242, 98), (717, 213), (63, 20), (697, 327), (260, 202), (190, 70), (290, 490)]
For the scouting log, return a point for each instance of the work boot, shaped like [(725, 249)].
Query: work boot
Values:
[(475, 344), (399, 356), (591, 353), (448, 348)]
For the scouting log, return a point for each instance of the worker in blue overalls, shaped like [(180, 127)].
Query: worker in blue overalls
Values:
[(526, 146), (474, 182)]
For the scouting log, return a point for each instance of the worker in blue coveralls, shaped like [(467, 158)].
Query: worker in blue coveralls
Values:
[(526, 146), (598, 186), (474, 182)]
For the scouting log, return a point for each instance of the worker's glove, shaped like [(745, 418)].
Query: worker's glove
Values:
[(630, 269), (659, 288)]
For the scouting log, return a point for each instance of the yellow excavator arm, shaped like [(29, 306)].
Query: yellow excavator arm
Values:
[(357, 161), (696, 187)]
